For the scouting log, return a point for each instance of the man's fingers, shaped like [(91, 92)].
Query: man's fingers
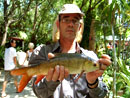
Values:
[(106, 56), (92, 76), (59, 73), (99, 73), (105, 61), (50, 55), (66, 73), (50, 74), (62, 73), (103, 67), (56, 73)]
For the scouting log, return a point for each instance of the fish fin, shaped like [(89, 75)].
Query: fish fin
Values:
[(23, 82), (79, 76), (25, 78), (39, 78), (20, 71)]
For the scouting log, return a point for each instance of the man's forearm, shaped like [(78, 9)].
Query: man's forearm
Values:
[(99, 92), (47, 88), (15, 61)]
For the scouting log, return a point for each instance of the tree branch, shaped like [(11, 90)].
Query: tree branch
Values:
[(35, 16), (83, 3), (12, 8), (95, 4)]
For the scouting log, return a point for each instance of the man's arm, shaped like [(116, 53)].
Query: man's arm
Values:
[(98, 92), (96, 86), (15, 61), (45, 89), (47, 86), (97, 89)]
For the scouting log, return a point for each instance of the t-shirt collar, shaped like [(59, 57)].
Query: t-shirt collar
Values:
[(57, 47)]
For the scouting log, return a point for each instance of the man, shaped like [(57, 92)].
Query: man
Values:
[(59, 83), (10, 63)]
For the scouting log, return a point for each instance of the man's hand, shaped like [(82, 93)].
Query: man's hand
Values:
[(92, 76), (57, 73)]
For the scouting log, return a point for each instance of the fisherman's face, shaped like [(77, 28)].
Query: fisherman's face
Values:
[(69, 24)]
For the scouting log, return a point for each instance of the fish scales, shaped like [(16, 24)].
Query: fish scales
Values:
[(75, 63)]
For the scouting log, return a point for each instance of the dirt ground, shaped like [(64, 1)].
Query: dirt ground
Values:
[(11, 91)]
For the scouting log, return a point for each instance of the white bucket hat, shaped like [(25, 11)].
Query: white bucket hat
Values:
[(70, 9)]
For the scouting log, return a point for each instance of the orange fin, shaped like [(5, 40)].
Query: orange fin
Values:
[(23, 82), (79, 76), (25, 78), (39, 78), (20, 71)]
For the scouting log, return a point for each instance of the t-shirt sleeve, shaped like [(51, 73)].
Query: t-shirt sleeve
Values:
[(13, 52)]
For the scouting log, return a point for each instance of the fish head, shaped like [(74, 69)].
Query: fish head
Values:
[(91, 66)]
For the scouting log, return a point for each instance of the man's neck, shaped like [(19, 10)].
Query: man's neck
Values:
[(68, 46)]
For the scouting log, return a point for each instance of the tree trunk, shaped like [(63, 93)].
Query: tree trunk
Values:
[(92, 36), (6, 31), (4, 36), (5, 23), (87, 23), (33, 39)]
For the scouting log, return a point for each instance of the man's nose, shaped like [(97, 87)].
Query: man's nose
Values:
[(71, 23)]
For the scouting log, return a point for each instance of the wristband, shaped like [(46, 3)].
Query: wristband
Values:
[(92, 83)]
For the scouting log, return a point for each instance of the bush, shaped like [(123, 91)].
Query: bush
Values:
[(2, 48)]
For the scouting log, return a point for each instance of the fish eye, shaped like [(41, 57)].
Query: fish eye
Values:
[(95, 64)]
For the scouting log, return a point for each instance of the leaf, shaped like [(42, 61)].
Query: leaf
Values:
[(123, 67), (126, 78)]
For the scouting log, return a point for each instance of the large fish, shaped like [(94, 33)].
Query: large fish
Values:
[(74, 62)]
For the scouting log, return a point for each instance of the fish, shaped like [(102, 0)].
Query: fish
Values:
[(74, 62)]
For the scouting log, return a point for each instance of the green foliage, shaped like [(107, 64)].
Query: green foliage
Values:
[(108, 79), (122, 81), (36, 26), (127, 92), (126, 78), (124, 68), (2, 52), (1, 56)]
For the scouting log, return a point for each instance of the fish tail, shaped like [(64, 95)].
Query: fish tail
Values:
[(20, 71), (23, 82), (25, 77), (39, 77)]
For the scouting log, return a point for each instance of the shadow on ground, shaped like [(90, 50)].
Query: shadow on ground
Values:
[(11, 91)]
